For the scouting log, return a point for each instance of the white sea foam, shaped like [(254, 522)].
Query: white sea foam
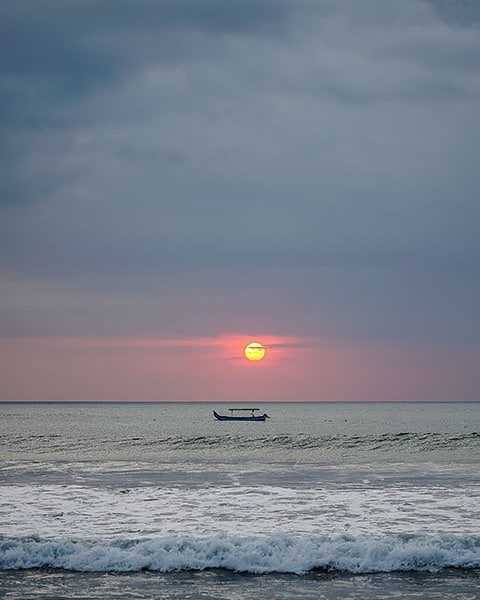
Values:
[(368, 509), (253, 554)]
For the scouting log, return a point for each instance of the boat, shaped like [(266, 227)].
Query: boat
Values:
[(232, 417)]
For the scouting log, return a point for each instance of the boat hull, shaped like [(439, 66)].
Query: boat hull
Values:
[(227, 418)]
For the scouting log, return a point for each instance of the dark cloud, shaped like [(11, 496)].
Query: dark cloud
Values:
[(459, 12), (72, 47), (331, 144), (54, 54)]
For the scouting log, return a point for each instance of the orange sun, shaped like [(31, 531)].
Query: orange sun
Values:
[(254, 351)]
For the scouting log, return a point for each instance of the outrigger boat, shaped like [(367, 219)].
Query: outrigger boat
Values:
[(232, 417)]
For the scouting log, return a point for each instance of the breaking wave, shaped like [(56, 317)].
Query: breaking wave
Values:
[(280, 553)]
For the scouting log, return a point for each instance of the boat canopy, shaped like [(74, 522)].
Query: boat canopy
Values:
[(249, 409)]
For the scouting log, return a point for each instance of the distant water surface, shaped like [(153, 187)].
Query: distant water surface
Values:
[(331, 500)]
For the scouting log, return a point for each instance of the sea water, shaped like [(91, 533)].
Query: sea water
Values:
[(327, 500)]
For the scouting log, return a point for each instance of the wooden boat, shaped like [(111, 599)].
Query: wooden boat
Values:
[(232, 417)]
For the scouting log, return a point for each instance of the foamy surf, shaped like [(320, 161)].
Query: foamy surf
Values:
[(258, 555)]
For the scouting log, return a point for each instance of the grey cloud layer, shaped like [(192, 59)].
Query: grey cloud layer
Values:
[(151, 139)]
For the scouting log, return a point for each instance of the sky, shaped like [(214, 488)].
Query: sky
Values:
[(180, 177)]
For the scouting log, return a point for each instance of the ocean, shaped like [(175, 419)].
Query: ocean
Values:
[(159, 500)]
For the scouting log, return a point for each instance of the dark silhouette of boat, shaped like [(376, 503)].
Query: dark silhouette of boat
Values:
[(251, 417)]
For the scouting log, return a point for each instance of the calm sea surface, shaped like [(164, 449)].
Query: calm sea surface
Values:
[(330, 500)]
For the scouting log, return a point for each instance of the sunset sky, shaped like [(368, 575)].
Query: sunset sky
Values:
[(179, 178)]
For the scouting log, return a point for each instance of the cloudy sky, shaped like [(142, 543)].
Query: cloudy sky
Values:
[(178, 177)]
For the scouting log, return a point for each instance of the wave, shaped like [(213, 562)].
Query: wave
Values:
[(411, 440), (408, 441), (258, 555)]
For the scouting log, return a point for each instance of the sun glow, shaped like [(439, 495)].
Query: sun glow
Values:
[(254, 351)]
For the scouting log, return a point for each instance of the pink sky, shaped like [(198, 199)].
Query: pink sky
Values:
[(213, 368)]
